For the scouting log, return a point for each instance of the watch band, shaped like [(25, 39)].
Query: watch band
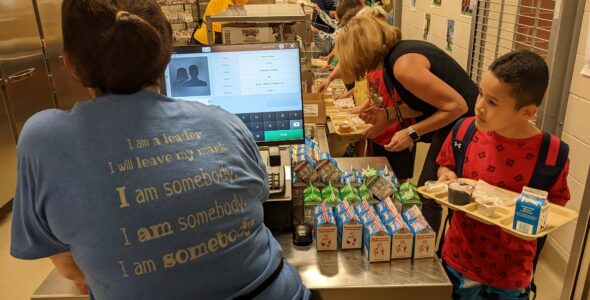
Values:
[(413, 134)]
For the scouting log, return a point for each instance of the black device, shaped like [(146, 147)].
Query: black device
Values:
[(274, 156), (259, 83), (302, 235)]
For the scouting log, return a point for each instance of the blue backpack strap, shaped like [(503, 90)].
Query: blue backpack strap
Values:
[(463, 132)]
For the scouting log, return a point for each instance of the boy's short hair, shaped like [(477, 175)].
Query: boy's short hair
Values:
[(526, 72)]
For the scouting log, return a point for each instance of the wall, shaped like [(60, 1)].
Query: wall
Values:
[(577, 135), (413, 25)]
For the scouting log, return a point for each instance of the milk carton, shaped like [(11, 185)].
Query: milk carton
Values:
[(327, 168), (376, 242), (350, 194), (402, 238), (362, 208), (325, 228), (386, 210), (424, 238), (378, 185), (369, 216), (304, 166), (350, 229), (531, 211)]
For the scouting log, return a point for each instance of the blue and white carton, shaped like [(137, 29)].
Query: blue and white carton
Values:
[(376, 242), (531, 211), (424, 238), (325, 228), (350, 229), (402, 238)]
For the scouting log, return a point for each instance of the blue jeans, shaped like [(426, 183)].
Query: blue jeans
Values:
[(467, 289)]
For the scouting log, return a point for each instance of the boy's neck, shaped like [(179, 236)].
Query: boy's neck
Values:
[(520, 129)]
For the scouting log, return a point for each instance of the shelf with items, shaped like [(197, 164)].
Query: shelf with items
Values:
[(183, 16)]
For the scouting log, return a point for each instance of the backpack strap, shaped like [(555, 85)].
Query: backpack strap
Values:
[(553, 155), (462, 134)]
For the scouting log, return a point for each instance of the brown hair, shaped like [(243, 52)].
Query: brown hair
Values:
[(363, 44), (344, 6), (116, 46)]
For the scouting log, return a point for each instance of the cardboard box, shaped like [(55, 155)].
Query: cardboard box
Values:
[(531, 211), (350, 229), (325, 228), (380, 186), (327, 168), (402, 238), (255, 33), (376, 242), (314, 109)]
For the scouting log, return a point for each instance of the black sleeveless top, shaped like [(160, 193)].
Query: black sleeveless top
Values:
[(442, 65)]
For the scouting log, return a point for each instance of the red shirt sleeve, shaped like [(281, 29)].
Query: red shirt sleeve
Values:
[(445, 157), (560, 192)]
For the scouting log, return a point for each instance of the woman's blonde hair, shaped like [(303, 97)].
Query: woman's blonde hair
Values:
[(363, 44)]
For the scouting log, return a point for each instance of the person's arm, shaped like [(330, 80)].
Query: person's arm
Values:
[(328, 19), (346, 94), (445, 174), (67, 267), (335, 74)]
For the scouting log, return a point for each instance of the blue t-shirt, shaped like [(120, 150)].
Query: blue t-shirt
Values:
[(155, 198)]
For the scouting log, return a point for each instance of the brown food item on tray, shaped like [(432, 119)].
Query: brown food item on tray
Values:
[(344, 128)]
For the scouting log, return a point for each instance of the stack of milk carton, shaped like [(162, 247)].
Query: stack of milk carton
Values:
[(325, 228), (376, 238), (424, 236), (402, 238), (349, 226)]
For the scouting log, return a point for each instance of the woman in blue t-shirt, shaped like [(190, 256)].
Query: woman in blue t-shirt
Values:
[(134, 195)]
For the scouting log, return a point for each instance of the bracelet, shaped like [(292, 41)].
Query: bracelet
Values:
[(386, 113)]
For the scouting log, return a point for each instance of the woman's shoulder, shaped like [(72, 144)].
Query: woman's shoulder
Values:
[(41, 128)]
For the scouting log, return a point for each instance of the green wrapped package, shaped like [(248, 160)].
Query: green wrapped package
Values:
[(365, 193), (350, 194), (331, 195), (311, 195), (409, 196)]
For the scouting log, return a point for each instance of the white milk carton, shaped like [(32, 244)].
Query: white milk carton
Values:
[(376, 242), (350, 229), (531, 211), (402, 238), (424, 238), (325, 228)]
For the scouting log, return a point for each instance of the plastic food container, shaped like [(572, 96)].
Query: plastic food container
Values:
[(436, 187), (460, 193), (487, 205)]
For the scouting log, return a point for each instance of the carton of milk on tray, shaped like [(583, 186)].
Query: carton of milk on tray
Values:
[(532, 209), (350, 229), (325, 228), (376, 242)]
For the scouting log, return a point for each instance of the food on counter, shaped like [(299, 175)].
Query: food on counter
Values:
[(460, 193)]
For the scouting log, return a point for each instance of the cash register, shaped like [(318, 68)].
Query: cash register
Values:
[(261, 85)]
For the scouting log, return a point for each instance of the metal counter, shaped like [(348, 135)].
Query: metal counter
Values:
[(343, 274)]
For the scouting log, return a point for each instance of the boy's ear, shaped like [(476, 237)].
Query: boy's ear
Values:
[(528, 111)]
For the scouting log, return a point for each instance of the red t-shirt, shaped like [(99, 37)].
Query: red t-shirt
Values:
[(376, 85), (483, 252)]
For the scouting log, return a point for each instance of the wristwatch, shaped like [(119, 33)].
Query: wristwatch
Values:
[(413, 134)]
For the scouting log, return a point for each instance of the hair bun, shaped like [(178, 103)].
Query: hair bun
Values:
[(122, 15)]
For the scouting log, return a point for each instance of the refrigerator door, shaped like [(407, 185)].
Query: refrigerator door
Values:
[(22, 61), (67, 88), (7, 155)]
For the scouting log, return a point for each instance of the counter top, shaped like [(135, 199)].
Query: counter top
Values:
[(343, 274)]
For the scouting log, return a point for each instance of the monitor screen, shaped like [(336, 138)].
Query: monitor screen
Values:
[(260, 83)]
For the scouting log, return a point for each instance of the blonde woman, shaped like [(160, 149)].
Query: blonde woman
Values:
[(427, 79)]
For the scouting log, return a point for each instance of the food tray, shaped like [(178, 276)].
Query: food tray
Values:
[(504, 215), (357, 125)]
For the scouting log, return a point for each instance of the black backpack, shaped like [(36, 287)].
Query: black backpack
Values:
[(551, 160)]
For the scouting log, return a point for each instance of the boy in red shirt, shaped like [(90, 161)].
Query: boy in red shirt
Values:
[(482, 261)]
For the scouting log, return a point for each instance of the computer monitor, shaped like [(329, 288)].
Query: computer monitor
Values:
[(260, 83)]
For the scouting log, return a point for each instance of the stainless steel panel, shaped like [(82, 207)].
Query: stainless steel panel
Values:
[(7, 155), (67, 88), (22, 62)]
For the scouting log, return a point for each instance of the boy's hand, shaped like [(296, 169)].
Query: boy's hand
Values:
[(448, 176), (374, 115)]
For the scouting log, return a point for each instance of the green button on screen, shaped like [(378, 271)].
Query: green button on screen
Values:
[(278, 135)]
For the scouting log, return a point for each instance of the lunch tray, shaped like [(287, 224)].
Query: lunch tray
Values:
[(504, 215), (356, 124)]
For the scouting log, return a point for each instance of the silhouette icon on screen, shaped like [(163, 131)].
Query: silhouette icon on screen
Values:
[(181, 77), (194, 81)]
